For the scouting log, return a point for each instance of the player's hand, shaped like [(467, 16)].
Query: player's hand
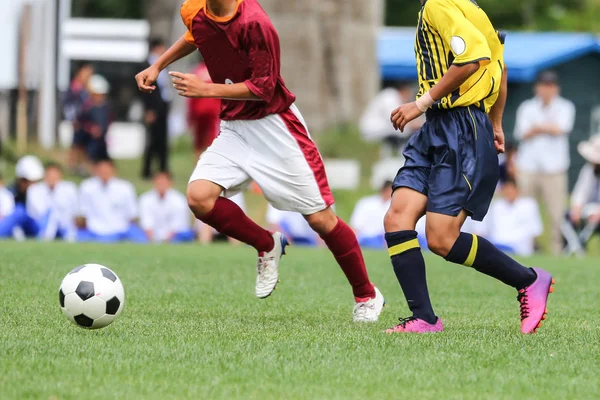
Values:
[(189, 85), (404, 114), (575, 215), (499, 140), (594, 218), (146, 79)]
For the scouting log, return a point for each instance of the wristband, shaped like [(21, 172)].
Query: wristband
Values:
[(424, 102)]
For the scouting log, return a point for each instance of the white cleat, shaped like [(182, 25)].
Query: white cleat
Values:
[(267, 267), (368, 311)]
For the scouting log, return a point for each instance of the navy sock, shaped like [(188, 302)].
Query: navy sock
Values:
[(409, 267), (474, 251)]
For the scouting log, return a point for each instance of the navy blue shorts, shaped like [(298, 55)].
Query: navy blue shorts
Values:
[(453, 161)]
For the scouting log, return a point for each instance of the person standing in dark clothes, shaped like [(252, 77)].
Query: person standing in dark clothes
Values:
[(156, 116)]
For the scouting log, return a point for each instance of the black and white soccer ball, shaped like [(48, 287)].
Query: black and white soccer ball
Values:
[(91, 296)]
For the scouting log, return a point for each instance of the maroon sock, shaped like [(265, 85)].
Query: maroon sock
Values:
[(344, 246), (227, 218)]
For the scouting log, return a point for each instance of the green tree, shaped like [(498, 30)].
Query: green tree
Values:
[(544, 15)]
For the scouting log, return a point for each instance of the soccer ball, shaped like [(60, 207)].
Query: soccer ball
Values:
[(91, 296)]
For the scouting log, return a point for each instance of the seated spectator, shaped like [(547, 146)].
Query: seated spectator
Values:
[(7, 201), (53, 204), (367, 218), (375, 124), (514, 222), (293, 226), (108, 208), (164, 213), (19, 224), (207, 234), (585, 199)]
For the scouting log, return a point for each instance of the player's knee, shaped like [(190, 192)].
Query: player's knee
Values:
[(440, 241), (200, 200), (398, 218), (322, 222)]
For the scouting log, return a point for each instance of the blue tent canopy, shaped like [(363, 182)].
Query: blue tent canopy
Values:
[(526, 53)]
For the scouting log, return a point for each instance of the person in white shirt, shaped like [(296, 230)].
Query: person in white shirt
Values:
[(584, 214), (7, 201), (514, 222), (375, 124), (293, 225), (543, 126), (164, 212), (18, 223), (108, 208), (53, 204), (367, 218)]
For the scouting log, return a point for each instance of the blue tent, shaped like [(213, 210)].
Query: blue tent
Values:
[(526, 53)]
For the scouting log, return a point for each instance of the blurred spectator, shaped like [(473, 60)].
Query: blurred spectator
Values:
[(508, 167), (73, 103), (7, 201), (53, 204), (108, 208), (95, 118), (585, 199), (543, 125), (375, 122), (293, 226), (206, 233), (156, 115), (19, 224), (367, 218), (164, 213), (203, 116), (513, 221)]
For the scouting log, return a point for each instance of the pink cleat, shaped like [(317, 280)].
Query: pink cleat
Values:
[(533, 301), (416, 325)]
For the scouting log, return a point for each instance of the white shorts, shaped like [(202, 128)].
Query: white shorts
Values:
[(277, 153)]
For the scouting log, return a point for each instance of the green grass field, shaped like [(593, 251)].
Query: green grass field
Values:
[(192, 329)]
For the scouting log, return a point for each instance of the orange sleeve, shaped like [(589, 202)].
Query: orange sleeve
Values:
[(189, 10)]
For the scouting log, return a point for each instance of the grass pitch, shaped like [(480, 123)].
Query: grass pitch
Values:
[(192, 329)]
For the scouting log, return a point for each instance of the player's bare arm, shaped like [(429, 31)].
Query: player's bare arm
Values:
[(452, 80), (190, 85), (497, 112), (147, 78)]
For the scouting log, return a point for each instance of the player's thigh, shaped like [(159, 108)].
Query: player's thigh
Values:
[(287, 165), (442, 231), (406, 208), (220, 169)]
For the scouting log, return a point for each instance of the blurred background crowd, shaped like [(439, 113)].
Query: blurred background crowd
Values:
[(87, 158)]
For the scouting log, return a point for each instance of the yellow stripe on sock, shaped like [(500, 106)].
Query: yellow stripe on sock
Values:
[(402, 247), (472, 253)]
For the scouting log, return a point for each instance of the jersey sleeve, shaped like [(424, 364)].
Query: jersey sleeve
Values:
[(263, 48), (188, 12), (467, 43)]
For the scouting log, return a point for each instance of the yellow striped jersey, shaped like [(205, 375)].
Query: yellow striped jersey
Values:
[(459, 32)]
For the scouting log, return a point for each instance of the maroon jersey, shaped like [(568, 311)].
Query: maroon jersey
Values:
[(242, 48)]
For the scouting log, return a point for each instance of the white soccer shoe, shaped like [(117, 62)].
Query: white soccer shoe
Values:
[(368, 311), (267, 267)]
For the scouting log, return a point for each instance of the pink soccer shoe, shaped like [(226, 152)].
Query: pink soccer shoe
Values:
[(533, 301), (416, 325)]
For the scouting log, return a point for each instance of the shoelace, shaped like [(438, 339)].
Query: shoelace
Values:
[(522, 298), (405, 321)]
